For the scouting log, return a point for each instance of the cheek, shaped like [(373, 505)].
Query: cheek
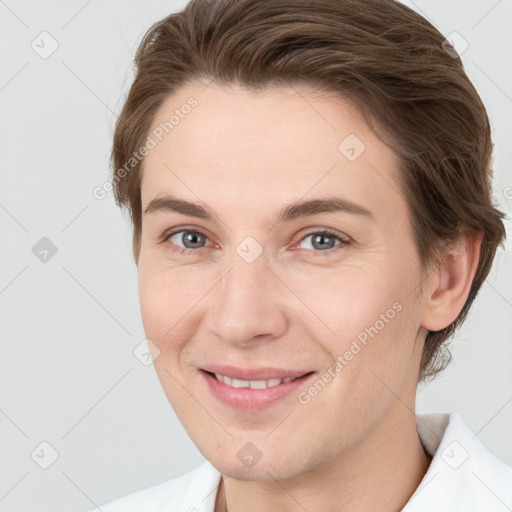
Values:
[(343, 302), (367, 324), (168, 316), (166, 297)]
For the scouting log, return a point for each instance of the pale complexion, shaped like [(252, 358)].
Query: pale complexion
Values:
[(245, 156)]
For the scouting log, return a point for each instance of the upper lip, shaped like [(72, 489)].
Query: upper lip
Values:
[(253, 373)]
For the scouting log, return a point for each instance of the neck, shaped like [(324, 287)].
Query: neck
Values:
[(379, 474)]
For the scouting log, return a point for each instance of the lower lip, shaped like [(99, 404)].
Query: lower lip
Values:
[(252, 400)]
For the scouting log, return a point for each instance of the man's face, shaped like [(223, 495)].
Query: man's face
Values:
[(250, 290)]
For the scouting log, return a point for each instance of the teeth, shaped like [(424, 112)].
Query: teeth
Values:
[(253, 384)]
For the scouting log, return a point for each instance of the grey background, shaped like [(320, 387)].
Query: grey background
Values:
[(68, 328)]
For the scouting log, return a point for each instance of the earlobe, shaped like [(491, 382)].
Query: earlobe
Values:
[(450, 283)]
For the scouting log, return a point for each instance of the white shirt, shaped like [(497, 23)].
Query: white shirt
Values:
[(463, 477)]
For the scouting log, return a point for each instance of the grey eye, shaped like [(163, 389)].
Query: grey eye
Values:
[(189, 239), (321, 241)]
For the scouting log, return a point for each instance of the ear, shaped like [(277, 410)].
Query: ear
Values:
[(449, 284)]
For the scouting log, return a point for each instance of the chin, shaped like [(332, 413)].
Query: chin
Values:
[(263, 470)]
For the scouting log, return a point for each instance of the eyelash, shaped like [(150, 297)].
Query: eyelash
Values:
[(185, 251)]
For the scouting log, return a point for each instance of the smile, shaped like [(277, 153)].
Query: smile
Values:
[(253, 384), (259, 390)]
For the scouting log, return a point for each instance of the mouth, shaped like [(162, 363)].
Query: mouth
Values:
[(253, 384), (223, 371), (260, 389)]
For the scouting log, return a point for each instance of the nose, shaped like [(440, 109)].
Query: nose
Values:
[(248, 304)]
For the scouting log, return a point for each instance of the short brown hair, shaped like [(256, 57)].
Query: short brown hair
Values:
[(390, 62)]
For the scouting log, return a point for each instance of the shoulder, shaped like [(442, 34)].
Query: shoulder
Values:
[(463, 475), (194, 491)]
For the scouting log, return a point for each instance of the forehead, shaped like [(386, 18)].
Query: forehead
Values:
[(236, 146)]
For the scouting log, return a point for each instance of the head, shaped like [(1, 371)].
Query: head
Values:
[(248, 107)]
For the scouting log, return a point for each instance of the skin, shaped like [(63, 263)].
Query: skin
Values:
[(354, 446)]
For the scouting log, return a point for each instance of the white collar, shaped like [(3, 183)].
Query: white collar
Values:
[(463, 475)]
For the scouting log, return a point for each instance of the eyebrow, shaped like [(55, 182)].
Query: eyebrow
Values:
[(290, 212)]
